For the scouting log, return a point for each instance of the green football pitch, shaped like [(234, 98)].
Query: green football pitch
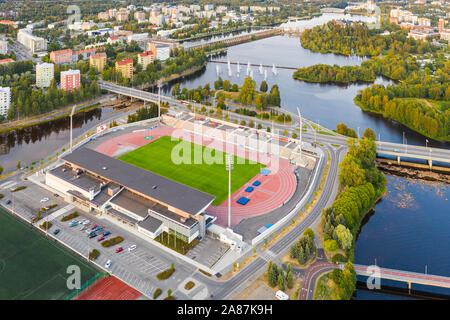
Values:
[(32, 266), (210, 178)]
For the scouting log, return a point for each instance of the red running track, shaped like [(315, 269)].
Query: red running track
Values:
[(275, 189), (109, 288)]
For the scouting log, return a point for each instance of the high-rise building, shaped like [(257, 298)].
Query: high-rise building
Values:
[(61, 56), (5, 100), (44, 74), (98, 61), (162, 52), (3, 47), (31, 42), (70, 80), (145, 58), (125, 67)]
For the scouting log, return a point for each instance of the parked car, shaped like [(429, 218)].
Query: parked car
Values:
[(94, 226), (73, 223), (131, 248), (108, 264), (86, 221), (92, 235), (56, 232), (83, 228), (55, 195), (107, 233), (100, 239), (44, 199), (98, 229), (119, 249), (8, 202)]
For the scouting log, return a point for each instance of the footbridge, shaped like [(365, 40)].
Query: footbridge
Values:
[(402, 276)]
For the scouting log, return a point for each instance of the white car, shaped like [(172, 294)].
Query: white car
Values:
[(86, 222), (44, 199), (108, 264), (131, 248)]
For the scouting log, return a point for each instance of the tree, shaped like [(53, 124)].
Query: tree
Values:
[(280, 282), (1, 169), (18, 164), (369, 134), (344, 237), (263, 87), (351, 174), (289, 280)]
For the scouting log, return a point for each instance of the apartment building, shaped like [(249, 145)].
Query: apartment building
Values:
[(5, 100), (61, 56), (145, 58), (3, 47), (70, 80), (44, 74), (31, 42), (98, 61), (125, 67)]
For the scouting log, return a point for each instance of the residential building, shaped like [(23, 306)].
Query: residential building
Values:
[(98, 61), (162, 52), (145, 58), (137, 37), (5, 100), (61, 56), (31, 42), (70, 80), (3, 47), (125, 67), (112, 40), (139, 15), (121, 16), (208, 7), (6, 61), (85, 53), (44, 74), (103, 16)]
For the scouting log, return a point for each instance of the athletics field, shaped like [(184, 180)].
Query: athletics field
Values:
[(31, 265), (209, 178)]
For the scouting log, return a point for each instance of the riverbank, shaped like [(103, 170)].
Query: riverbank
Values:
[(414, 170), (364, 108), (51, 116)]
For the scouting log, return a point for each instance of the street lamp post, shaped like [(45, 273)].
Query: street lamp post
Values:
[(229, 167), (159, 103), (301, 130)]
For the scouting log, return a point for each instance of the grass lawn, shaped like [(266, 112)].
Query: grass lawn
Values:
[(31, 265), (209, 178)]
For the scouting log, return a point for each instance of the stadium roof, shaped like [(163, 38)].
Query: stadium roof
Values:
[(149, 184)]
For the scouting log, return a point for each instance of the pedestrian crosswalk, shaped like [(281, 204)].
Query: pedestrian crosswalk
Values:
[(8, 184), (268, 255)]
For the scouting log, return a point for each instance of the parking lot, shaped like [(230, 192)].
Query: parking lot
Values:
[(137, 268), (208, 251)]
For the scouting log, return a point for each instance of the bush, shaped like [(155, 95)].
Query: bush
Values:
[(18, 188), (46, 225), (1, 195), (157, 293), (170, 298), (189, 285), (48, 208), (165, 274), (330, 245), (338, 258), (205, 273), (112, 241), (70, 216), (94, 254)]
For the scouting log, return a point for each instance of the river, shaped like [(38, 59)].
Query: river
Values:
[(408, 230)]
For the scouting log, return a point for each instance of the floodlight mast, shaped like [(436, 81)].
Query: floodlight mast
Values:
[(229, 166), (301, 130)]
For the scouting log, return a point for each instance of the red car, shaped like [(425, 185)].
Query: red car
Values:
[(94, 226), (119, 249), (100, 239)]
